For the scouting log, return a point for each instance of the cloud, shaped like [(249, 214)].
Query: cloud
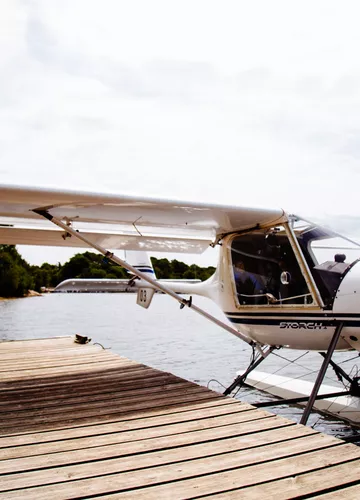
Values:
[(247, 104)]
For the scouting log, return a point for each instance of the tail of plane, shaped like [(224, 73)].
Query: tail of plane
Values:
[(141, 261)]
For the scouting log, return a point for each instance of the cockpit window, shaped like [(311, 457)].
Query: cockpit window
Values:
[(327, 254), (265, 270)]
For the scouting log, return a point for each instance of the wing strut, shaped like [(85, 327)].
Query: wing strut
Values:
[(155, 284)]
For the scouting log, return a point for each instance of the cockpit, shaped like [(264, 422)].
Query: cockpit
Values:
[(290, 265)]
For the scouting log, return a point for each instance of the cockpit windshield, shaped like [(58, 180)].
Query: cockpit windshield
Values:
[(327, 254), (266, 270)]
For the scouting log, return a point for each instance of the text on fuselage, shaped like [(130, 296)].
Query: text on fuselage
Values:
[(303, 324)]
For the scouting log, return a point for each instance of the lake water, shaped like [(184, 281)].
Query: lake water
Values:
[(167, 338)]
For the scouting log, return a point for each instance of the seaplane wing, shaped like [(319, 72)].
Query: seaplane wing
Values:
[(121, 221)]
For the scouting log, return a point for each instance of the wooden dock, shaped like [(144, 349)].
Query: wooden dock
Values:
[(78, 422)]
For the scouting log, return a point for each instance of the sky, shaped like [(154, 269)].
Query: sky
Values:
[(236, 102)]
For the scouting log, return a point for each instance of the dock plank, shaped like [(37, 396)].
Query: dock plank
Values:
[(207, 469), (133, 446), (131, 431), (348, 493), (85, 406), (77, 420), (205, 411), (8, 365), (222, 451), (303, 484)]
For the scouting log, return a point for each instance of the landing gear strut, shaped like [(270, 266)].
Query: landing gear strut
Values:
[(353, 390), (241, 378), (321, 374)]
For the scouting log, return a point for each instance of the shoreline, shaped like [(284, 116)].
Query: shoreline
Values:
[(31, 293)]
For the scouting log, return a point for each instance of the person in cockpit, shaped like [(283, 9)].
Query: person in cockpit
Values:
[(340, 257), (247, 284)]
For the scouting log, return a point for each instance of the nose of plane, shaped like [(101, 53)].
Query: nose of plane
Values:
[(347, 306)]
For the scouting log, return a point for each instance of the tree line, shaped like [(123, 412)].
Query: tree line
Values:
[(17, 276)]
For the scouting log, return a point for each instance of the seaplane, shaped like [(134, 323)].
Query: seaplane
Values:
[(281, 281)]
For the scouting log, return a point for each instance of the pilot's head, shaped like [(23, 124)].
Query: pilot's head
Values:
[(340, 257)]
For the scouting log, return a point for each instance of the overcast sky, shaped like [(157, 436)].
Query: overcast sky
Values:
[(218, 101)]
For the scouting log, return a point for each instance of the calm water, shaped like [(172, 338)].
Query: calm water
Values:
[(164, 337)]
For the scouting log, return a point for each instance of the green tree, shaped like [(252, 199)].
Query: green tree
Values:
[(47, 275), (15, 273), (178, 269), (162, 268), (75, 267), (90, 265), (17, 276)]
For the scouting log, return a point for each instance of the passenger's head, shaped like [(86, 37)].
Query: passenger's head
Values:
[(238, 264)]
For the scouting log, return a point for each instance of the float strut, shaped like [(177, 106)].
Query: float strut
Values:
[(321, 373), (241, 378), (338, 370)]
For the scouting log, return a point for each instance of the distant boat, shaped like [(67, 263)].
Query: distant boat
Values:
[(94, 285)]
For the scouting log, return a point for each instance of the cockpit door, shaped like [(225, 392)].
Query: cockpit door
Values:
[(268, 270)]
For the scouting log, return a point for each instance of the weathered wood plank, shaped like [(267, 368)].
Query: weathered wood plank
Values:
[(78, 421), (114, 398), (150, 411), (90, 392), (106, 415), (54, 371), (131, 431), (129, 446), (32, 344), (69, 351), (179, 407), (194, 470), (221, 449), (97, 408), (94, 375), (9, 366), (51, 350), (115, 392), (348, 493), (196, 412), (78, 382), (303, 484)]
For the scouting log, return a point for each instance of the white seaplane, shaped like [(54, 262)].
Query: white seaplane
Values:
[(280, 280)]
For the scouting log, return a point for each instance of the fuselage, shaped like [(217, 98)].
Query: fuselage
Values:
[(278, 286), (305, 327)]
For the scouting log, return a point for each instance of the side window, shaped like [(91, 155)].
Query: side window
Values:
[(265, 270)]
